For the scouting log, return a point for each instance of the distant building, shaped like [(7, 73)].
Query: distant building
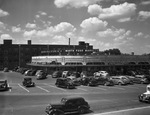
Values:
[(91, 62), (12, 55)]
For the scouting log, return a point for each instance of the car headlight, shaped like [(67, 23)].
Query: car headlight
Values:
[(3, 85), (48, 107)]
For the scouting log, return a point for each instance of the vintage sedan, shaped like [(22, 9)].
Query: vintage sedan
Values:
[(27, 82), (68, 105), (145, 97), (101, 73), (139, 79), (64, 83), (120, 80), (3, 85), (89, 81)]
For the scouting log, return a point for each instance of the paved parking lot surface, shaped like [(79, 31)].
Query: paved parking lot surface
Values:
[(19, 100)]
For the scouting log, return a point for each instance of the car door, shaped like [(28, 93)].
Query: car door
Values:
[(70, 106), (137, 79)]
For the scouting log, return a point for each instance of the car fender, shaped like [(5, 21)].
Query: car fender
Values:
[(56, 111), (83, 106)]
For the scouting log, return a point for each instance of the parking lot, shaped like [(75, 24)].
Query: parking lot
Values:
[(47, 86), (33, 100)]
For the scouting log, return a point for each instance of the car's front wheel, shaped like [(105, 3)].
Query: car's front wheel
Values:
[(119, 83), (57, 112), (82, 110)]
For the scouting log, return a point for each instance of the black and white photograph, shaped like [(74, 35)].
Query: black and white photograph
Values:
[(74, 57)]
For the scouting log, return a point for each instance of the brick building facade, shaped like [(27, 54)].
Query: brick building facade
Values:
[(12, 55)]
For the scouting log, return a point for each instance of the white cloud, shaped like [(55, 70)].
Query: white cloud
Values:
[(3, 13), (147, 36), (2, 25), (143, 15), (6, 36), (16, 29), (70, 35), (122, 12), (124, 20), (123, 36), (50, 17), (59, 40), (74, 3), (88, 40), (95, 9), (64, 27), (42, 33), (139, 34), (42, 13), (37, 16), (114, 34), (111, 33), (145, 2), (29, 34), (93, 25), (29, 25)]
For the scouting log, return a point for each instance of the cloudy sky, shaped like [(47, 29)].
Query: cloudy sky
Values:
[(105, 24)]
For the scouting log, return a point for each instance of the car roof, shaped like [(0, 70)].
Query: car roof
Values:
[(62, 79), (102, 71), (3, 80), (27, 78)]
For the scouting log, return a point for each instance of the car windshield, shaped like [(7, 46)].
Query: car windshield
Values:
[(63, 100), (124, 78), (2, 82), (148, 88), (28, 79)]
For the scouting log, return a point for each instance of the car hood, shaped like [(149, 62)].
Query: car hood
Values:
[(56, 105), (147, 93), (142, 76)]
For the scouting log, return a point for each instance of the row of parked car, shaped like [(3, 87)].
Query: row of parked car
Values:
[(72, 79), (40, 74)]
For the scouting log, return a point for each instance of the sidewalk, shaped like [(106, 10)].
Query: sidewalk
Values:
[(132, 111)]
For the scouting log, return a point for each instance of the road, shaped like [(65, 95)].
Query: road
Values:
[(32, 101)]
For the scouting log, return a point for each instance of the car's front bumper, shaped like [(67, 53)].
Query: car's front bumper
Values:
[(143, 98), (3, 88)]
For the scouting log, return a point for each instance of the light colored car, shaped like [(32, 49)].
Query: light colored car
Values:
[(66, 73), (41, 75), (101, 73), (57, 74), (145, 97), (139, 79), (38, 71), (120, 80)]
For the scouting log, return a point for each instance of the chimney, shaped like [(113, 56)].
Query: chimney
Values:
[(29, 42), (69, 41), (7, 41)]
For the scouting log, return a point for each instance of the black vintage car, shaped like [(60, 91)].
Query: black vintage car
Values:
[(27, 82), (6, 69), (89, 81), (104, 81), (3, 85), (68, 106), (64, 83), (57, 74)]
